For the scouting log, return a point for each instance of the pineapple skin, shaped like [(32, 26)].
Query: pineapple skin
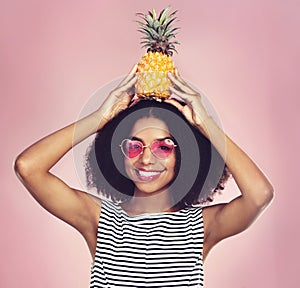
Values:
[(152, 75)]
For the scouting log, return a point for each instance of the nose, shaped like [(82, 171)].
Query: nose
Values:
[(147, 157)]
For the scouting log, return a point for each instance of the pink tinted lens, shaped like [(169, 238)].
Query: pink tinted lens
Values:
[(162, 149), (132, 148)]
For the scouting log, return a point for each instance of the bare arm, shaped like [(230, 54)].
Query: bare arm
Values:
[(33, 165), (256, 190), (228, 219), (33, 168)]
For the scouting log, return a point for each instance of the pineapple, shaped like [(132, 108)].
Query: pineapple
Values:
[(157, 62)]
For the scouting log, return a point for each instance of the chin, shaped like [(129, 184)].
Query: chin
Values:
[(151, 188)]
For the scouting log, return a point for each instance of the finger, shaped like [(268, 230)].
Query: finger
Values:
[(125, 80), (186, 111), (126, 87), (182, 86), (179, 77), (177, 98), (134, 101), (175, 103), (130, 83), (185, 96), (129, 76)]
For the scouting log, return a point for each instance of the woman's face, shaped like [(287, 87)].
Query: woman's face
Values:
[(149, 173)]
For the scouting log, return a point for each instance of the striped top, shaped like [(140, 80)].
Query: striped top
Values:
[(156, 250)]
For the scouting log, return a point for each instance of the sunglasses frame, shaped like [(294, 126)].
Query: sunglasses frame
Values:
[(145, 146)]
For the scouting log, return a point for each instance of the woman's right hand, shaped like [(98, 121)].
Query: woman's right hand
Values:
[(120, 97)]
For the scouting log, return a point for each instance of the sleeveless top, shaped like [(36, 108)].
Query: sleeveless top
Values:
[(155, 250)]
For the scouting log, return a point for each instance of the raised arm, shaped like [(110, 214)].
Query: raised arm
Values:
[(228, 219), (33, 165)]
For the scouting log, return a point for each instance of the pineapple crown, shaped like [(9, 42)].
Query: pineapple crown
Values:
[(158, 31)]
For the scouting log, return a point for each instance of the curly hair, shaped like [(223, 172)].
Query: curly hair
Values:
[(199, 172)]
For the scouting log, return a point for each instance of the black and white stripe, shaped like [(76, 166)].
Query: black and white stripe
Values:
[(155, 250)]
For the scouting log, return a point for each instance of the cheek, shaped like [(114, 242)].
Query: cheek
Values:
[(171, 163), (127, 164)]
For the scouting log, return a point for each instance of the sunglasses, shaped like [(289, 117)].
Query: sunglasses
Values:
[(161, 149)]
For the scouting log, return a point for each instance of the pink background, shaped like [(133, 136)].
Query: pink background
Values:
[(243, 54)]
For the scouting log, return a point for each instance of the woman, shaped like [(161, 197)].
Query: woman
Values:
[(154, 214)]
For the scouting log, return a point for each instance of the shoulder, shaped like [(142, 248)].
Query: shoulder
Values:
[(95, 201), (107, 209)]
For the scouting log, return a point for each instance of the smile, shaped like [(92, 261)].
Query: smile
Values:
[(147, 175)]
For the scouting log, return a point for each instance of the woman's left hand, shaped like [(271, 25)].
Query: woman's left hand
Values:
[(194, 110)]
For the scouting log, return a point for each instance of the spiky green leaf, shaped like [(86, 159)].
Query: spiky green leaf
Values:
[(146, 45), (149, 20), (158, 31), (142, 24), (156, 24), (142, 15), (145, 32), (170, 17), (163, 14), (173, 13), (168, 22), (171, 32), (154, 14)]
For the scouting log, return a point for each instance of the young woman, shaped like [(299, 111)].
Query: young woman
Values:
[(153, 161)]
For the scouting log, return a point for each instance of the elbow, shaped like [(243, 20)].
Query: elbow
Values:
[(266, 197), (22, 167)]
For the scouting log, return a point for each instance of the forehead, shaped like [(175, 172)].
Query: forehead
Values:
[(150, 127)]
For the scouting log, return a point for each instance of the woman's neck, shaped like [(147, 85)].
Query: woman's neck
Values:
[(149, 203)]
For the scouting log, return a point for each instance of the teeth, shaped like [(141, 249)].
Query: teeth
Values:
[(148, 174)]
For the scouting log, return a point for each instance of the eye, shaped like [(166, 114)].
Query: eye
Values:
[(134, 145), (165, 147)]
